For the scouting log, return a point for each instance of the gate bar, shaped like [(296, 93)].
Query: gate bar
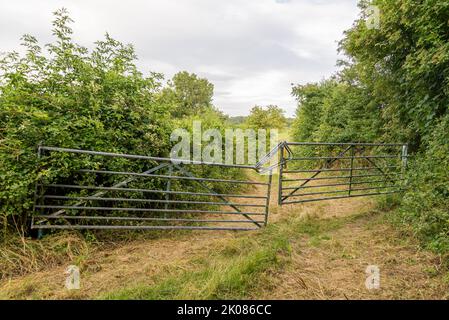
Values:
[(144, 210), (70, 186), (341, 191), (150, 201), (344, 144), (170, 177), (133, 156), (346, 158), (221, 197), (140, 219), (328, 163), (338, 177), (342, 197), (341, 184), (341, 169), (112, 227)]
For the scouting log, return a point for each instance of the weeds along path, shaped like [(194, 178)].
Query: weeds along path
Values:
[(313, 251)]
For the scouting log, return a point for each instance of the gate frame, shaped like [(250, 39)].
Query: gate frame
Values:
[(282, 151), (285, 147), (178, 165)]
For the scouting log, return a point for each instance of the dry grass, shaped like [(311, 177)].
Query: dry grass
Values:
[(20, 256), (109, 267), (331, 244), (331, 265)]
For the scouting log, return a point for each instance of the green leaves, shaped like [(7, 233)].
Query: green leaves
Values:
[(409, 53), (187, 95), (335, 111), (269, 117), (69, 97)]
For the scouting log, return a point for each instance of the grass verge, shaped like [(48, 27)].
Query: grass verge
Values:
[(235, 269)]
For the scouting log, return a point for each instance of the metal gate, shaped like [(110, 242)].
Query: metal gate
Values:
[(103, 190), (324, 171), (156, 194)]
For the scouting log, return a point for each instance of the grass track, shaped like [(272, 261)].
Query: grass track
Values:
[(310, 251)]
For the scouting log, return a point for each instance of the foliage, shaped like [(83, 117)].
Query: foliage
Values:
[(335, 112), (426, 204), (187, 94), (64, 95), (310, 99), (405, 64), (270, 117), (210, 119)]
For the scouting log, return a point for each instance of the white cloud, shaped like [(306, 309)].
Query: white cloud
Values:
[(251, 50)]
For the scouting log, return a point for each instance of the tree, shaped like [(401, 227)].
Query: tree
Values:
[(187, 94), (404, 64), (269, 117), (310, 99)]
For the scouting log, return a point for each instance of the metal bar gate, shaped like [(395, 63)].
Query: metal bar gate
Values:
[(104, 190), (323, 171), (150, 193)]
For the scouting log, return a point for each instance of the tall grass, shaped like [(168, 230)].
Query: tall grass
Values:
[(236, 270), (20, 255)]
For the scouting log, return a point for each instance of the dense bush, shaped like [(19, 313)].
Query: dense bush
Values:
[(211, 119), (335, 111), (404, 64), (426, 203), (310, 98), (68, 96)]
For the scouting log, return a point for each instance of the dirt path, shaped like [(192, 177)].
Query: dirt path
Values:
[(328, 264)]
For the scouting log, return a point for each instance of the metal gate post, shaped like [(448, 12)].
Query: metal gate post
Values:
[(168, 188), (267, 203), (404, 155), (281, 169), (351, 170), (404, 158), (37, 180), (36, 196)]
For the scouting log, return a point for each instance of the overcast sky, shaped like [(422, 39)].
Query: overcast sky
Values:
[(251, 50)]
